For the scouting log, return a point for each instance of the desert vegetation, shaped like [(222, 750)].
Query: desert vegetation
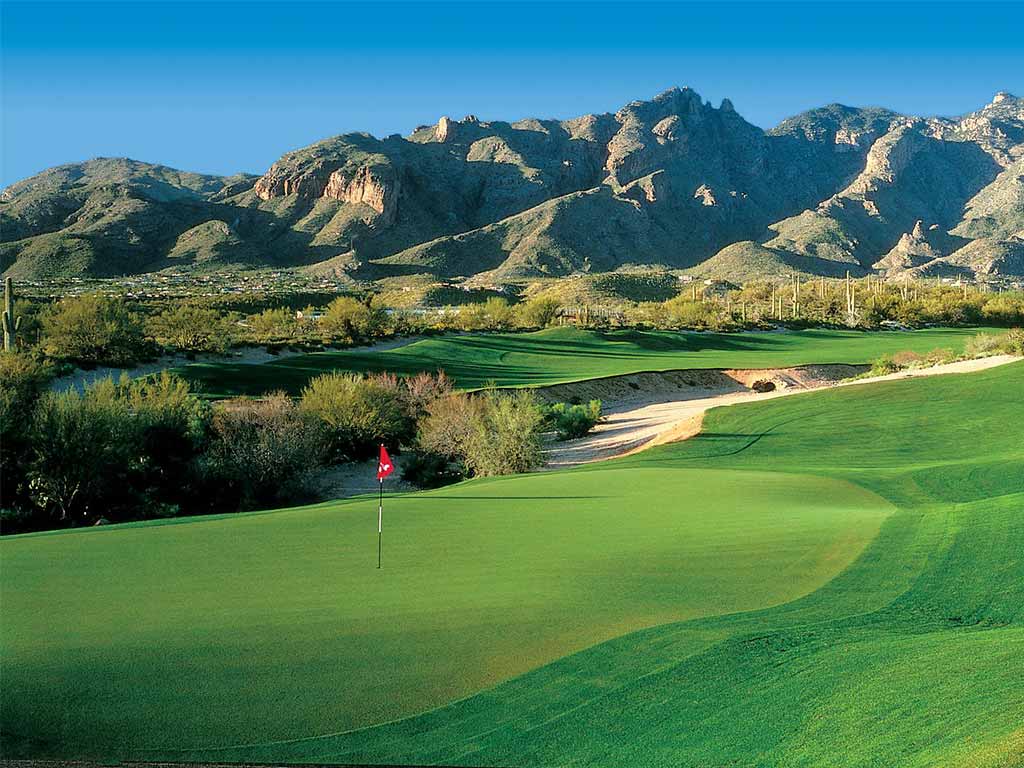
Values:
[(151, 448), (96, 329), (1010, 342)]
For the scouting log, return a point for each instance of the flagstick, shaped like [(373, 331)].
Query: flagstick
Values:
[(380, 519)]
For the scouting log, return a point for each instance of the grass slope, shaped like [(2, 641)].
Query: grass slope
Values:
[(252, 628), (212, 632), (913, 656), (559, 355)]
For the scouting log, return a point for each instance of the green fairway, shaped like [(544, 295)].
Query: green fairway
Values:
[(558, 355), (834, 578)]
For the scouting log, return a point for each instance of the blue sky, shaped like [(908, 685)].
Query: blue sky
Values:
[(224, 87)]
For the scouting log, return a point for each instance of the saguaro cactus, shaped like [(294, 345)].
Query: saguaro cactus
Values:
[(11, 325)]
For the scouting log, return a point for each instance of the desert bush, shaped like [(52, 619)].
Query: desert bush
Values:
[(495, 314), (430, 470), (169, 432), (273, 325), (908, 359), (262, 452), (359, 413), (123, 451), (352, 320), (189, 328), (881, 307), (95, 330), (883, 366), (23, 380), (423, 389), (446, 428), (572, 421), (984, 345), (505, 438), (539, 312), (1013, 342), (492, 433), (1004, 309), (80, 451)]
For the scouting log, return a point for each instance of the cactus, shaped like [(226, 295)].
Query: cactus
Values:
[(11, 325)]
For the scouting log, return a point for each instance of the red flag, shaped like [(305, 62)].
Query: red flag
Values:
[(384, 465)]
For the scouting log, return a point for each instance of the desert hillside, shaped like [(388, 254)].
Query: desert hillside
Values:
[(673, 182)]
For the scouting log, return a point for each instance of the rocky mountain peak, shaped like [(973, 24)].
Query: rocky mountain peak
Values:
[(672, 180)]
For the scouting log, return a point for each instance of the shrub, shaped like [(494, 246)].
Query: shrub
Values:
[(493, 433), (448, 425), (423, 389), (984, 345), (884, 365), (94, 329), (170, 427), (188, 328), (572, 421), (505, 438), (492, 315), (908, 359), (121, 450), (353, 320), (272, 325), (1004, 309), (537, 313), (1013, 342), (358, 413), (430, 470), (262, 452), (82, 449), (23, 381)]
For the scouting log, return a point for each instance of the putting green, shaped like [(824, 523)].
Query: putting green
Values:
[(559, 355), (212, 632), (912, 656)]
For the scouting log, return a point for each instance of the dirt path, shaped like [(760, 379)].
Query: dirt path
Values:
[(648, 418)]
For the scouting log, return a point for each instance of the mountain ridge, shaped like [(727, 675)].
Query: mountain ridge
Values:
[(670, 182)]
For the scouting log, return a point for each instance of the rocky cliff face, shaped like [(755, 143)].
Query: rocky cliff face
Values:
[(670, 181)]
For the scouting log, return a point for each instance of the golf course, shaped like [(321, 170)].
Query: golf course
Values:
[(831, 578), (558, 355)]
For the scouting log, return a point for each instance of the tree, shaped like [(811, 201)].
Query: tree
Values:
[(94, 329), (273, 325), (80, 450), (359, 413), (353, 320), (23, 381), (189, 328), (539, 312), (123, 451)]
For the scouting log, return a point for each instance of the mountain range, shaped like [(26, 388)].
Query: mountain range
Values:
[(672, 182)]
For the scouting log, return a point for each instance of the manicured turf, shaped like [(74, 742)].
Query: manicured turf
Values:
[(252, 629), (143, 628), (567, 354), (913, 656)]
